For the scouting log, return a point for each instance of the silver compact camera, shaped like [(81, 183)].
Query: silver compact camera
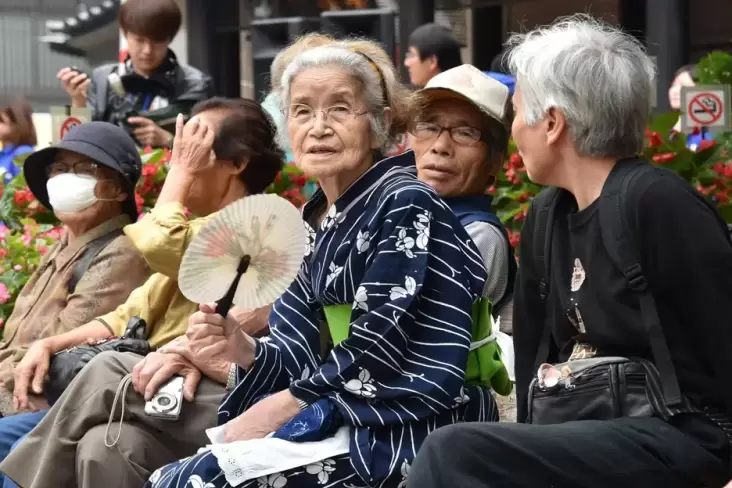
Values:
[(167, 402)]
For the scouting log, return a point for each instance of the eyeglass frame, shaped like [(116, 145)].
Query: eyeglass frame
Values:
[(72, 168), (481, 136), (352, 114)]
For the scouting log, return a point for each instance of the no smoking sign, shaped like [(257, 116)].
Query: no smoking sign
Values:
[(705, 106)]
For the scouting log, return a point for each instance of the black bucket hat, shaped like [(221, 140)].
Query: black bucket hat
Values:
[(106, 144)]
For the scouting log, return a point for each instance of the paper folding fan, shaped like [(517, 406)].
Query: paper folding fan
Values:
[(247, 255)]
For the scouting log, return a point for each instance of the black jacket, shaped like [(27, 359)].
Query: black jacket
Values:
[(189, 87), (687, 259)]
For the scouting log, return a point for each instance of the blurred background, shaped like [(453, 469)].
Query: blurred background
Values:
[(235, 40)]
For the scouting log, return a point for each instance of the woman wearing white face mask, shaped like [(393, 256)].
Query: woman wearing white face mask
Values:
[(88, 181)]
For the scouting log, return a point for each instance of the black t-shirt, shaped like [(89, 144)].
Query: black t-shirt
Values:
[(687, 261)]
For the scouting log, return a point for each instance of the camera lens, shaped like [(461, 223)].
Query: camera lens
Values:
[(164, 402)]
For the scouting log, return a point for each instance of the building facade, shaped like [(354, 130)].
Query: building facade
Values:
[(220, 37)]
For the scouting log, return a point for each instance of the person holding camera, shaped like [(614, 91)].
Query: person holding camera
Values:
[(214, 163), (145, 92)]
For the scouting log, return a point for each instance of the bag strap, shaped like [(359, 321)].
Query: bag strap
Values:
[(618, 229), (545, 205), (91, 251), (100, 77)]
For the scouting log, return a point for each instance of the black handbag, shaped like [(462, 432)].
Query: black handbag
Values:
[(65, 365), (601, 388)]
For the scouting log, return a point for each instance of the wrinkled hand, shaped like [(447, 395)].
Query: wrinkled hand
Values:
[(213, 336), (75, 84), (263, 417), (157, 368), (148, 133), (192, 145), (31, 370)]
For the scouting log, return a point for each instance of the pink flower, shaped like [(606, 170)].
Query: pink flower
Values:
[(2, 321), (3, 231), (54, 233), (18, 267), (27, 238), (43, 250), (4, 293)]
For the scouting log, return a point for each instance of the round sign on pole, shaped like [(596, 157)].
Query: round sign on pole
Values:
[(69, 124), (705, 108)]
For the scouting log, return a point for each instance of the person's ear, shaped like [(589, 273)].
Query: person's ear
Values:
[(556, 125), (387, 124), (234, 168), (432, 63)]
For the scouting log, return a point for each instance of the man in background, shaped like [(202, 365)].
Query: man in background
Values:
[(144, 93), (432, 49)]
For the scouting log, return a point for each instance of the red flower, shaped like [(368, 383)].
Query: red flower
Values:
[(514, 238), (22, 196), (140, 202), (654, 139), (721, 197), (149, 170), (662, 158), (521, 216), (514, 160), (706, 144), (719, 168), (728, 170), (492, 190)]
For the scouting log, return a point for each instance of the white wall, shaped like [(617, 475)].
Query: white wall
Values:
[(180, 43)]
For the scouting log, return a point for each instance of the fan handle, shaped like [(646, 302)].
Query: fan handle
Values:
[(224, 305)]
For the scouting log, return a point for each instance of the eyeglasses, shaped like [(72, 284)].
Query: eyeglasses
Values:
[(304, 114), (464, 135), (79, 168)]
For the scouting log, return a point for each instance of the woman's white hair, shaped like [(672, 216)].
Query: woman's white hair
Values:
[(338, 54), (598, 76)]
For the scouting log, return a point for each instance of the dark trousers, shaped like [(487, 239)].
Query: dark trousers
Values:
[(623, 453)]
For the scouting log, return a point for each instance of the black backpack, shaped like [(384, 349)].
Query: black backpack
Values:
[(618, 226)]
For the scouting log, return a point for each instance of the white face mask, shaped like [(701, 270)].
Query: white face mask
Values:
[(70, 193)]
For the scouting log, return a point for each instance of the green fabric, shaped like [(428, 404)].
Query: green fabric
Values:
[(484, 367)]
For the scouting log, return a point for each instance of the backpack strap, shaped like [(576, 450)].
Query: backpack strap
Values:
[(618, 226), (545, 206), (91, 251)]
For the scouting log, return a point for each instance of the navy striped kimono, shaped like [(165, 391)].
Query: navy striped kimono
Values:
[(392, 250)]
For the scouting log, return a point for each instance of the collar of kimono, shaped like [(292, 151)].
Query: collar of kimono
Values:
[(361, 188)]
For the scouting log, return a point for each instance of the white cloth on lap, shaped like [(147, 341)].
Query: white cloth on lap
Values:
[(246, 460)]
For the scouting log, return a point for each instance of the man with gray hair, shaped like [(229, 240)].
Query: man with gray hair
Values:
[(622, 303)]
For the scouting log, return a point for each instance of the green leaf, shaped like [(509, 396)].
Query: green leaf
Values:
[(725, 211), (663, 123)]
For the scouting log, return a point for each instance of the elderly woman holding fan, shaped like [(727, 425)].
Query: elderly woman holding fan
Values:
[(391, 275)]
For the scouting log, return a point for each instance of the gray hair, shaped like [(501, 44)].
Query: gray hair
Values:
[(338, 54), (598, 76)]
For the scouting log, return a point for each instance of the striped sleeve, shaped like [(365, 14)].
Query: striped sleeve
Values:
[(286, 354)]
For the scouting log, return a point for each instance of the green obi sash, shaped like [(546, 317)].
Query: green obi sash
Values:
[(484, 367)]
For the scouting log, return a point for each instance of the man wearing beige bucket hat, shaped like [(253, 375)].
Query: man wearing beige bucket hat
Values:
[(460, 139)]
